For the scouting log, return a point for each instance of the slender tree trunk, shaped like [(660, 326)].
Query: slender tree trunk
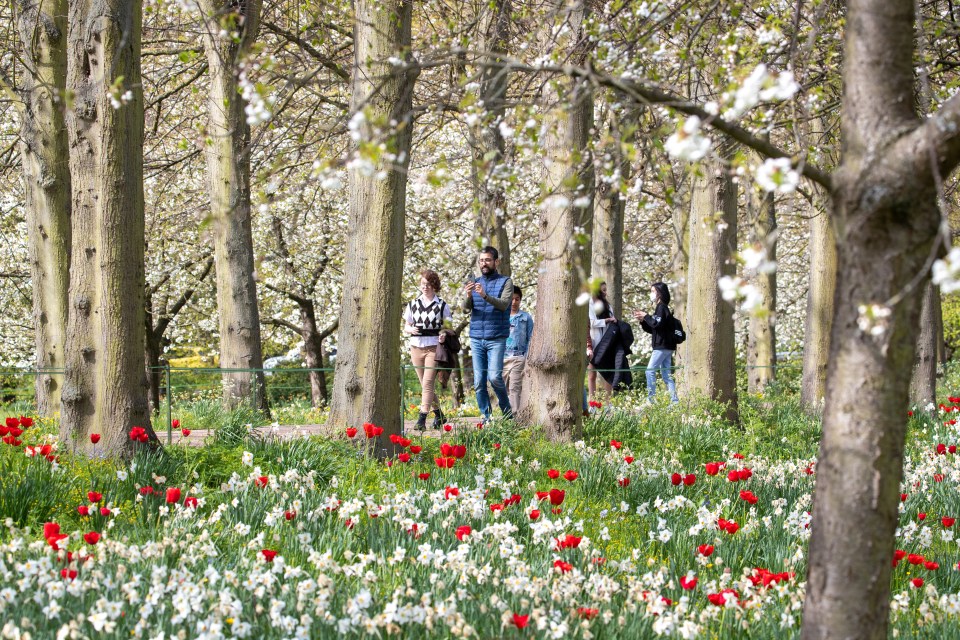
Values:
[(105, 389), (313, 353), (487, 143), (709, 368), (762, 340), (607, 251), (820, 294), (923, 384), (556, 363), (44, 150), (366, 387), (228, 168), (885, 198), (152, 357)]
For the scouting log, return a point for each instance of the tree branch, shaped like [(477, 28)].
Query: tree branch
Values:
[(306, 46), (329, 330), (278, 322)]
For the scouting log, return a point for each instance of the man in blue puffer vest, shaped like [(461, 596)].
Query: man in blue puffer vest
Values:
[(488, 299)]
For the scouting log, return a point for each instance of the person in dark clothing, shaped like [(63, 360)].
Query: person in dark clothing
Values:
[(660, 326), (610, 356)]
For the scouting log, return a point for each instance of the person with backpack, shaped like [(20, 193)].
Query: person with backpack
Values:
[(662, 326)]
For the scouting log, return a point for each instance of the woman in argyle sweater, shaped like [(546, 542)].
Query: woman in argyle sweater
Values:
[(423, 320)]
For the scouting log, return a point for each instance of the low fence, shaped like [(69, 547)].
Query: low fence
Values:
[(303, 388)]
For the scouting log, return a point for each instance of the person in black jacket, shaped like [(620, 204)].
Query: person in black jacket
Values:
[(660, 326)]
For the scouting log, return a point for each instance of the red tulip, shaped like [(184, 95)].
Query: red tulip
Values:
[(416, 448), (553, 474), (12, 423), (185, 433), (569, 542), (570, 475), (712, 468), (938, 477), (445, 463), (917, 582), (915, 559), (616, 444), (404, 457), (628, 459), (557, 496), (587, 613), (903, 497), (564, 567), (104, 511), (175, 423), (68, 573), (624, 482), (459, 451), (947, 522), (448, 428), (688, 584), (748, 496), (91, 538), (83, 510), (676, 479), (705, 550), (921, 516), (289, 515), (93, 496), (689, 479), (191, 502), (449, 492), (268, 554), (424, 476), (520, 621), (952, 448), (930, 565), (463, 532), (94, 438), (351, 432), (173, 495), (535, 514), (262, 481)]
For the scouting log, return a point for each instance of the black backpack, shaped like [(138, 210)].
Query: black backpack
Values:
[(679, 335)]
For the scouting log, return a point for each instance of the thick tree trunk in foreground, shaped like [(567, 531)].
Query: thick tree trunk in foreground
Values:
[(556, 363), (885, 199), (228, 169), (488, 144), (366, 386), (923, 384), (819, 319), (761, 336), (709, 365), (105, 389), (44, 152)]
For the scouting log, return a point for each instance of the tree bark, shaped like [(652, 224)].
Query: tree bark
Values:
[(44, 150), (607, 251), (709, 368), (366, 384), (105, 389), (556, 363), (923, 383), (761, 336), (488, 144), (820, 294), (228, 168), (885, 198)]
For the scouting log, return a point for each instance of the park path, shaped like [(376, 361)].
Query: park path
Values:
[(198, 437)]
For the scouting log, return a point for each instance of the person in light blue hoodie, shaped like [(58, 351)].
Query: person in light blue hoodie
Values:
[(515, 357)]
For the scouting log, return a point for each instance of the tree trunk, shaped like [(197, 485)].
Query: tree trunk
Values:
[(820, 294), (885, 198), (488, 144), (366, 386), (228, 168), (923, 384), (762, 340), (153, 348), (313, 354), (607, 251), (105, 389), (44, 151), (709, 368), (556, 364)]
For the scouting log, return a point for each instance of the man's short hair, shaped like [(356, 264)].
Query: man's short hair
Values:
[(517, 291), (492, 251)]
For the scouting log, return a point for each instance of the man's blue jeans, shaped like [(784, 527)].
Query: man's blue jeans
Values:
[(662, 361), (488, 367)]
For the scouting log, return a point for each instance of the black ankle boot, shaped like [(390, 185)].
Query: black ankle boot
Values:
[(438, 419), (422, 422)]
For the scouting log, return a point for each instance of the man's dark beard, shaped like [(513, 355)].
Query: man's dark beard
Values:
[(486, 270)]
